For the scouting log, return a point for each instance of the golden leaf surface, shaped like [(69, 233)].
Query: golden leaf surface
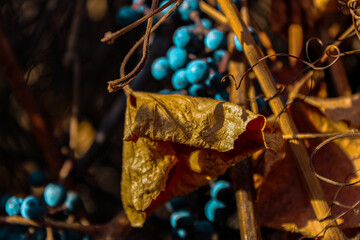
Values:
[(174, 144)]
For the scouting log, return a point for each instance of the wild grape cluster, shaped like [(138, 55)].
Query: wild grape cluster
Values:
[(53, 200), (189, 221), (192, 64)]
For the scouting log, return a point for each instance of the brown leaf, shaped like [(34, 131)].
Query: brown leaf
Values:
[(282, 198), (339, 109), (174, 144)]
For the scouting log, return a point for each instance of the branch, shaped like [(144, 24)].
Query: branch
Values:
[(91, 230)]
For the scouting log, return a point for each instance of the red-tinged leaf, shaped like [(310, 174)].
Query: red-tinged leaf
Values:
[(282, 199)]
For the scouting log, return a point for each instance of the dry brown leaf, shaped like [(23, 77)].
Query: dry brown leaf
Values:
[(174, 144), (282, 198), (339, 109)]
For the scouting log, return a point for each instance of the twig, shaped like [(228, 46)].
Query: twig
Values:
[(324, 57), (23, 94), (311, 135), (317, 197), (213, 13), (92, 230), (243, 181), (71, 57), (110, 37)]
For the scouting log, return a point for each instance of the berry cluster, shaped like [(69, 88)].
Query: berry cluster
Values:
[(55, 200), (188, 223)]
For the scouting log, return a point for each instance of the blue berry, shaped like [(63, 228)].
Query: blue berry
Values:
[(218, 55), (204, 230), (32, 208), (160, 68), (214, 39), (221, 190), (140, 8), (166, 10), (187, 7), (182, 37), (54, 195), (180, 233), (206, 23), (214, 81), (181, 219), (165, 91), (13, 205), (196, 90), (3, 200), (177, 58), (176, 203), (72, 202), (238, 44), (261, 104), (197, 71), (222, 96), (179, 80), (37, 179), (215, 210), (126, 15)]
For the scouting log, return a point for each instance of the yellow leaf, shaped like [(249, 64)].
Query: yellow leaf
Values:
[(174, 144)]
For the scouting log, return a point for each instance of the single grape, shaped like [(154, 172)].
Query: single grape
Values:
[(181, 219), (206, 23), (204, 230), (214, 81), (3, 200), (221, 190), (197, 71), (187, 7), (176, 203), (179, 80), (196, 90), (72, 202), (54, 195), (13, 205), (165, 91), (180, 233), (215, 210), (238, 45), (160, 68), (166, 10), (32, 208), (222, 96), (37, 179), (214, 39), (182, 37), (126, 15), (218, 55), (177, 57)]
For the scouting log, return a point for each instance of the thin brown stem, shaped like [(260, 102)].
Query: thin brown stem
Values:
[(110, 37), (92, 230)]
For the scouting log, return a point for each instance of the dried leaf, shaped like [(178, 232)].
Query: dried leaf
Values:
[(174, 144), (339, 109), (282, 198)]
